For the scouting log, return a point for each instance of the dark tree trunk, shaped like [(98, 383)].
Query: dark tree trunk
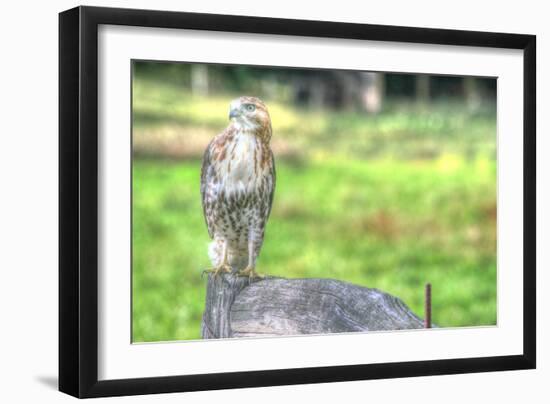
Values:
[(422, 89)]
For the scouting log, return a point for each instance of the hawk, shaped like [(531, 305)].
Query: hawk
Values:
[(237, 186)]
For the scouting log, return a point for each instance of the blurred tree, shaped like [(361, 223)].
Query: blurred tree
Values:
[(446, 87), (472, 93), (422, 89), (372, 91), (199, 79)]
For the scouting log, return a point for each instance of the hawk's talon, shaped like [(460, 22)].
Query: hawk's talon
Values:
[(219, 269), (250, 272)]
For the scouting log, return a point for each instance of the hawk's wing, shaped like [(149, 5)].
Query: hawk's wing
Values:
[(206, 182)]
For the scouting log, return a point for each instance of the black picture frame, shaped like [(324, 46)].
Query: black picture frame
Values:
[(78, 201)]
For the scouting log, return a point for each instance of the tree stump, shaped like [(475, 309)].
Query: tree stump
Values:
[(237, 307)]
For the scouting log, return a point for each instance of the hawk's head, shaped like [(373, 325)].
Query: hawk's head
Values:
[(251, 114)]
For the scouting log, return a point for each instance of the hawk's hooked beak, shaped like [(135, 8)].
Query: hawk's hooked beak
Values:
[(233, 113), (234, 109)]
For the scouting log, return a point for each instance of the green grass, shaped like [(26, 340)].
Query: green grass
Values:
[(383, 223)]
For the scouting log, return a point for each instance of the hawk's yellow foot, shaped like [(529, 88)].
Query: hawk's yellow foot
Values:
[(219, 269), (249, 271)]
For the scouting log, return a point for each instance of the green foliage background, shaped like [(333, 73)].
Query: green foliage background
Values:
[(390, 201)]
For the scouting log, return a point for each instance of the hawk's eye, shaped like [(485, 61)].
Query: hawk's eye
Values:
[(250, 107)]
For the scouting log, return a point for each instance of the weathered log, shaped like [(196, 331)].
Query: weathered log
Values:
[(237, 307)]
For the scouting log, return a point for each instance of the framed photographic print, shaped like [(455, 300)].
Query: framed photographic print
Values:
[(251, 201)]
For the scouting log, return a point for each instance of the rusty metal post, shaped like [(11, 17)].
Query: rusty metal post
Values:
[(428, 306)]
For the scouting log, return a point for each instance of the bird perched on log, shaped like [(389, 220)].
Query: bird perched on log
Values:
[(237, 186)]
